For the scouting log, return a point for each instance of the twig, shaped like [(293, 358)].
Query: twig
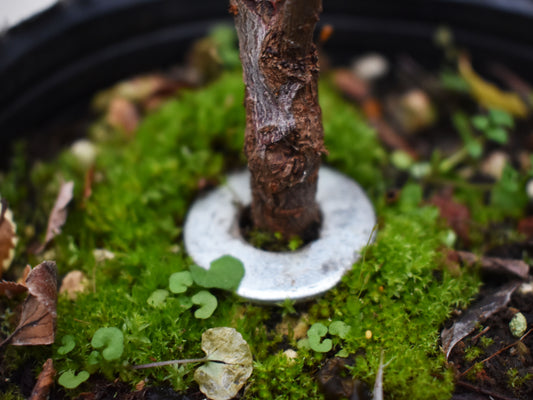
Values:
[(485, 330), (495, 354), (484, 391), (171, 362)]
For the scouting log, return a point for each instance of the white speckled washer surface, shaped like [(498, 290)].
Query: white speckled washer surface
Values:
[(211, 231)]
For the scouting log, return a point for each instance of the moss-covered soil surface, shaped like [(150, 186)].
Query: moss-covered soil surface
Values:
[(450, 176)]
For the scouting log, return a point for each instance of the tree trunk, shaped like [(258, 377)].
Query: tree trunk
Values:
[(284, 134)]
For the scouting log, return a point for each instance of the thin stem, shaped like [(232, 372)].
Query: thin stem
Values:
[(484, 391), (171, 362)]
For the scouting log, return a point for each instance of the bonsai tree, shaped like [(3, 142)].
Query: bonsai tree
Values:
[(284, 133)]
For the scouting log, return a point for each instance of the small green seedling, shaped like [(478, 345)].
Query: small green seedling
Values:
[(70, 380), (224, 273), (340, 329), (494, 125), (318, 331), (112, 340), (68, 345), (208, 304), (157, 298), (315, 335), (180, 281), (94, 358)]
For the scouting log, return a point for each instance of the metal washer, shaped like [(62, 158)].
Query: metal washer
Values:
[(211, 231)]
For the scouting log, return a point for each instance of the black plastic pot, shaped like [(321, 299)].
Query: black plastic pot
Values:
[(63, 55)]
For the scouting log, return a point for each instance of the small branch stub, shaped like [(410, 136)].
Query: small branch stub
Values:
[(284, 134)]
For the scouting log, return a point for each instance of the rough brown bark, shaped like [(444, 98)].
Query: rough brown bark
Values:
[(284, 134)]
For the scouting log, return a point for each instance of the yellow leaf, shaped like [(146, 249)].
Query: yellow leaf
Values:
[(487, 94)]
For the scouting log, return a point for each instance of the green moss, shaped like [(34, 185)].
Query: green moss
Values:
[(138, 204)]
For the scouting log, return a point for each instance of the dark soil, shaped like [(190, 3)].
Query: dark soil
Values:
[(499, 376)]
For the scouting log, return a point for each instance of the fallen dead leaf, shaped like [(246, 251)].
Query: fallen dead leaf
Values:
[(229, 366), (350, 85), (73, 283), (475, 314), (11, 289), (507, 266), (38, 318), (489, 95), (58, 215), (41, 390), (123, 115), (8, 237)]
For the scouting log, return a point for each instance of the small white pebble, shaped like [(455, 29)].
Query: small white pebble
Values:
[(290, 354), (529, 189), (526, 288), (85, 151), (100, 255), (494, 164), (370, 66)]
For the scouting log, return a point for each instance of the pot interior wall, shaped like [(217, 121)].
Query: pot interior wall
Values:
[(56, 60)]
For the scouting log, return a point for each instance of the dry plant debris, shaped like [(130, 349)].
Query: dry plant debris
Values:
[(38, 318), (8, 237), (58, 215)]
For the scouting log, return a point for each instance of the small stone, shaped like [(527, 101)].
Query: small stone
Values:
[(300, 330), (494, 164), (290, 354), (526, 288), (529, 189), (370, 66), (85, 152), (518, 324), (101, 255)]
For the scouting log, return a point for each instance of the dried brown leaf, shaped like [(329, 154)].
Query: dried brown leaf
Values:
[(38, 318), (507, 266), (73, 283), (350, 85), (11, 289), (123, 115), (45, 381), (58, 215), (477, 313), (8, 237)]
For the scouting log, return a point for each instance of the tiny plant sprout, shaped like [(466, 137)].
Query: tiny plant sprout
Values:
[(68, 344), (340, 329), (224, 273), (70, 380), (178, 282), (112, 340), (94, 358), (315, 335), (518, 324), (157, 298), (208, 304)]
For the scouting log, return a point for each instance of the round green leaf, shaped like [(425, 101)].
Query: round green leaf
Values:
[(157, 298), (112, 340), (68, 344), (208, 304), (340, 329), (225, 273), (70, 380), (315, 334), (180, 281)]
